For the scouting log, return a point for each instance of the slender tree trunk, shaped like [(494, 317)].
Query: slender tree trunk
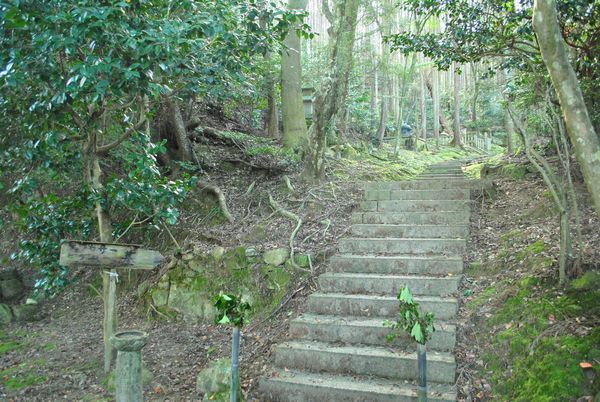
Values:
[(435, 95), (456, 142), (510, 131), (335, 89), (271, 115), (422, 105), (474, 74), (577, 120), (295, 134), (383, 115), (374, 98)]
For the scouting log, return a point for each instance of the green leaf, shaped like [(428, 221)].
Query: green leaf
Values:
[(405, 295), (417, 333), (224, 320)]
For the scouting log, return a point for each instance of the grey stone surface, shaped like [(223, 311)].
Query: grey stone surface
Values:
[(402, 246), (377, 361), (413, 231), (298, 386), (276, 256), (128, 374), (410, 233), (397, 264), (358, 305)]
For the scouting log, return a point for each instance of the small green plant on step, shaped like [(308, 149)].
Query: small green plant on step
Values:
[(232, 310), (419, 326)]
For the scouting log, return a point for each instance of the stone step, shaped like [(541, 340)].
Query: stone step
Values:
[(353, 283), (362, 360), (415, 231), (415, 205), (437, 184), (366, 331), (414, 218), (447, 194), (396, 264), (402, 246), (300, 386), (363, 305)]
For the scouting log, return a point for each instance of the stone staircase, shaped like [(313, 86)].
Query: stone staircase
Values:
[(409, 233)]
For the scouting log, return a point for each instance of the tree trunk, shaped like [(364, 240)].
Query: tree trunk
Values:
[(456, 141), (577, 120), (383, 113), (335, 89), (295, 134), (435, 95), (510, 130), (177, 127), (442, 120), (271, 116), (422, 107), (475, 72)]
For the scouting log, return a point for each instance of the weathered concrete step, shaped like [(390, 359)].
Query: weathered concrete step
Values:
[(353, 283), (375, 245), (362, 305), (414, 218), (415, 231), (396, 264), (447, 194), (424, 184), (366, 331), (415, 205), (362, 360), (300, 386)]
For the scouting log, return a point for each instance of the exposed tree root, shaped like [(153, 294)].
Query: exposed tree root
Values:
[(298, 221), (220, 197)]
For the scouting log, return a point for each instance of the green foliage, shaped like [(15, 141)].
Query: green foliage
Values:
[(231, 309), (73, 76), (411, 320), (44, 222), (144, 191)]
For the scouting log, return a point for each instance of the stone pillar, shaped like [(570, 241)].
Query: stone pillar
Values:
[(128, 376)]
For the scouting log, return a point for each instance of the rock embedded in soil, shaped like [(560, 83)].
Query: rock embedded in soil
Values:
[(214, 381), (25, 312), (276, 257), (11, 289), (6, 314)]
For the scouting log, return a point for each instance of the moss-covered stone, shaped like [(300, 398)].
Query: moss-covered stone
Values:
[(11, 289), (276, 256), (214, 381), (25, 312), (189, 286)]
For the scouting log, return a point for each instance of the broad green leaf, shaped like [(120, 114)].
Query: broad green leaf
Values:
[(417, 333)]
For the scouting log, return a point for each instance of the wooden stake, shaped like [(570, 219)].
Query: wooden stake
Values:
[(110, 319)]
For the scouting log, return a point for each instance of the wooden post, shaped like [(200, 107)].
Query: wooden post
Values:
[(109, 257), (109, 324)]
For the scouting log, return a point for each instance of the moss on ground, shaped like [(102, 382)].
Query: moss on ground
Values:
[(535, 355), (23, 375), (385, 165)]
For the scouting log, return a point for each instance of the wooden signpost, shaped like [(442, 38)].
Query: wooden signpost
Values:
[(109, 257)]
